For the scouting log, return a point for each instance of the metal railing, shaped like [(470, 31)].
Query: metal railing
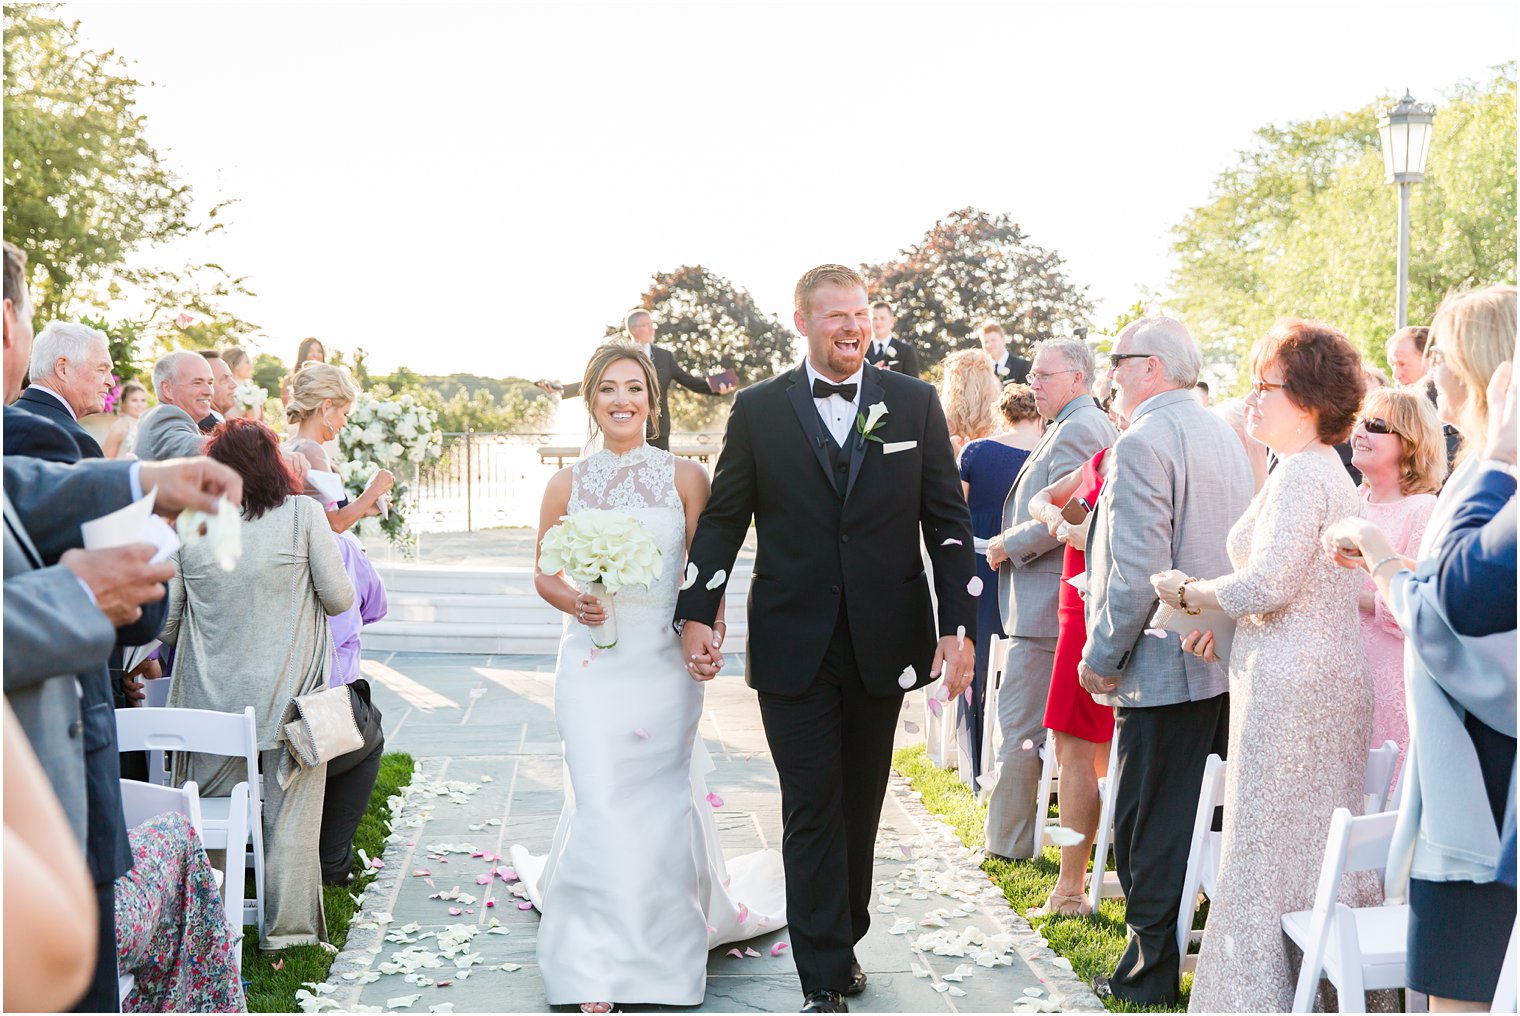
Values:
[(496, 478)]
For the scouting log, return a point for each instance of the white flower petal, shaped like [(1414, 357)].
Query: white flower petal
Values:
[(719, 577)]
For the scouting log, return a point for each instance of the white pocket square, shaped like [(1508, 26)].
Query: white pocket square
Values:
[(897, 446)]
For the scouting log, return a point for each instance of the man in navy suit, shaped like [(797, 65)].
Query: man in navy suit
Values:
[(71, 376)]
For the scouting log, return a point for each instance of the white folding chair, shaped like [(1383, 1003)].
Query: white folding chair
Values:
[(1381, 762), (141, 801), (210, 733), (1105, 883), (1504, 994), (1203, 859), (1048, 779), (1359, 949), (992, 730)]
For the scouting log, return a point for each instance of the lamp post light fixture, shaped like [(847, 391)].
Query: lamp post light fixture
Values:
[(1404, 131)]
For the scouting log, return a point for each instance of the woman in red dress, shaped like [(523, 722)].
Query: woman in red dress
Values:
[(1082, 727)]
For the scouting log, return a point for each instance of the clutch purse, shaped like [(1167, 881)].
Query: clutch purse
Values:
[(320, 726)]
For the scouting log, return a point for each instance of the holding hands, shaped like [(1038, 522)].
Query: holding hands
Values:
[(701, 643), (955, 659), (1358, 543)]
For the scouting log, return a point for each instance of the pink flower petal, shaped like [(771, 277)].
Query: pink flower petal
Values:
[(641, 733), (455, 911), (750, 952), (525, 905), (375, 862), (490, 901), (743, 913), (430, 883), (736, 954), (477, 853), (952, 542), (711, 930), (279, 965), (906, 848), (483, 879), (585, 663), (910, 726), (779, 947), (714, 800), (935, 707), (1027, 744), (442, 984), (506, 874), (421, 873), (469, 910), (974, 587), (908, 678), (595, 652)]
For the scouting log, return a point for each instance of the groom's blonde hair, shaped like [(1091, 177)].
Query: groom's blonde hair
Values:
[(824, 275), (605, 356)]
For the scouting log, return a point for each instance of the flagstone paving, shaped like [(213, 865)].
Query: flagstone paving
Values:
[(482, 729)]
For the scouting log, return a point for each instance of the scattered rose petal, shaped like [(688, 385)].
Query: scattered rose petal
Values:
[(910, 726), (641, 733), (1027, 744), (525, 905), (743, 913), (952, 542), (908, 678), (477, 853), (711, 930), (455, 911), (957, 993), (719, 577), (421, 873), (736, 954), (750, 952), (595, 652), (779, 947), (714, 800), (935, 707), (960, 632), (1156, 633), (585, 663), (1062, 962), (1033, 992), (691, 575), (1064, 837), (974, 587), (279, 965), (483, 879), (906, 848), (507, 874), (986, 780), (442, 984), (490, 901)]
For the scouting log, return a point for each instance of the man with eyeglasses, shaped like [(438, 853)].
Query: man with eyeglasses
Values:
[(1028, 561), (1180, 481)]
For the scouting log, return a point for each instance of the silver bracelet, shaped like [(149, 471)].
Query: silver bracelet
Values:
[(1391, 557)]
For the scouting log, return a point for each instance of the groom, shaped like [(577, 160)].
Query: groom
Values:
[(844, 468)]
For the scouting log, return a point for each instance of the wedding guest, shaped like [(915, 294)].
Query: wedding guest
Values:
[(50, 920), (1406, 356), (1233, 412), (223, 391), (639, 328), (184, 384), (70, 377), (310, 350), (171, 924), (988, 466), (1302, 713), (887, 351), (238, 362), (320, 397), (969, 393), (1009, 368), (1373, 377), (1081, 726), (1398, 447), (1457, 782), (1172, 708), (1028, 561), (1201, 393), (228, 657), (122, 437)]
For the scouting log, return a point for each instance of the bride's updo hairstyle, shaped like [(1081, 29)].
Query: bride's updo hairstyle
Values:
[(313, 383), (605, 356)]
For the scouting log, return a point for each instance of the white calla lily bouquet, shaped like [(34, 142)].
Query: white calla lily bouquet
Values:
[(398, 434), (609, 550)]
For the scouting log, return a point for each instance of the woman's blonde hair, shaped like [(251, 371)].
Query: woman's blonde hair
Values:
[(1422, 455), (969, 393), (605, 356), (1475, 332), (313, 383)]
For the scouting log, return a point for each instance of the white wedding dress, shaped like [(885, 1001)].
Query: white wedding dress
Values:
[(635, 889)]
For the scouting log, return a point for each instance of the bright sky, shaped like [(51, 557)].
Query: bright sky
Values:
[(483, 187)]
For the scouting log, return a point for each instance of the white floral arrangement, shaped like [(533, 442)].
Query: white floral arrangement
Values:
[(250, 395), (396, 434), (610, 551)]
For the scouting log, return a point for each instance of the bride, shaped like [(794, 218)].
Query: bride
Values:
[(635, 889)]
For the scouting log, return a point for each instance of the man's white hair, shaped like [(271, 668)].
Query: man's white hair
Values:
[(169, 366), (65, 339), (1078, 355), (1167, 339)]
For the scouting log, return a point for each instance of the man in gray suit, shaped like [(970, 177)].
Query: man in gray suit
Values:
[(1180, 481), (184, 384), (1028, 562)]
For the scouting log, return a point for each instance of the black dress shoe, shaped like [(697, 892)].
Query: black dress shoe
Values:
[(824, 1001), (857, 979)]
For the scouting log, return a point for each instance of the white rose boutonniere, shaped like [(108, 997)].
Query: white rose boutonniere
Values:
[(867, 423), (1002, 370)]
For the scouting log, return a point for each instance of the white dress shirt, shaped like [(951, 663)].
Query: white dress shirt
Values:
[(838, 414), (877, 350)]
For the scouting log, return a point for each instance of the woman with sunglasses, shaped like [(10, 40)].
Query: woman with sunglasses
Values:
[(1398, 447)]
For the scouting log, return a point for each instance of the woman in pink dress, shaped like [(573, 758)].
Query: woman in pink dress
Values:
[(1397, 444)]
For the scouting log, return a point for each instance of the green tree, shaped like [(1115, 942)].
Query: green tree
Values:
[(970, 267), (712, 325), (1304, 225), (268, 371)]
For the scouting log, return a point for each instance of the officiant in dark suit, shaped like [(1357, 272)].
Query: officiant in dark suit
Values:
[(70, 378), (639, 327), (846, 470)]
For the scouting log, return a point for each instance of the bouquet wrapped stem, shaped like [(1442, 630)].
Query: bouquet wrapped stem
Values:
[(607, 550), (604, 635)]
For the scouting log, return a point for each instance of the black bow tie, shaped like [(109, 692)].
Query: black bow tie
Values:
[(822, 390)]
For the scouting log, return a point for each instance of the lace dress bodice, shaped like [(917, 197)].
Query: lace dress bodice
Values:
[(642, 483)]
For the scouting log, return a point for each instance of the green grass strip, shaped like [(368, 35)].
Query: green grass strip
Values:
[(272, 990), (1093, 944)]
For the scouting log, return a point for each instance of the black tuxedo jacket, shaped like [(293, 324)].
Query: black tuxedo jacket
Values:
[(815, 546), (37, 437), (906, 356), (1018, 371), (666, 370), (45, 405)]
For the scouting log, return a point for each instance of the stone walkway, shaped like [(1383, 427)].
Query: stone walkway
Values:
[(482, 729)]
